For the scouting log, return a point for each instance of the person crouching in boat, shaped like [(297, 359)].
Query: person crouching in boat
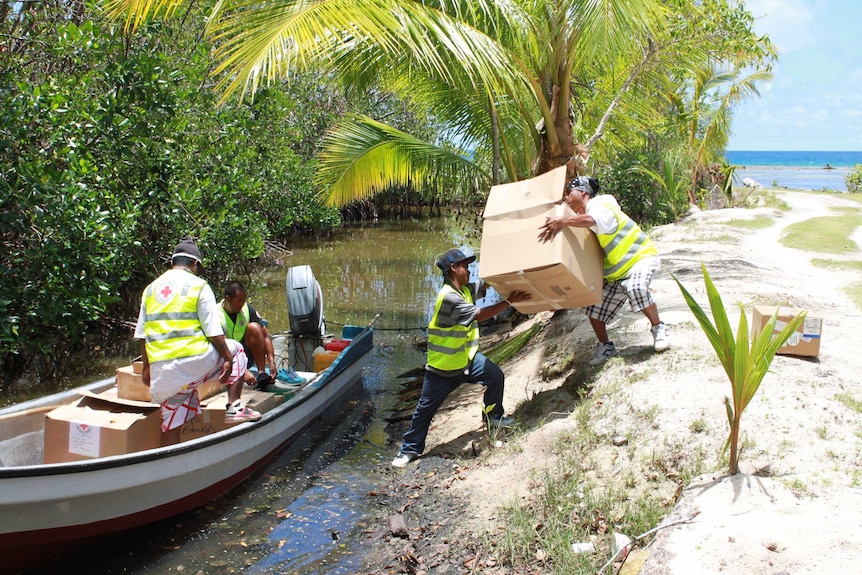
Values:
[(183, 344), (240, 321)]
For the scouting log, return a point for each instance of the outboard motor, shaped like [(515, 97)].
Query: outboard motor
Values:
[(304, 302)]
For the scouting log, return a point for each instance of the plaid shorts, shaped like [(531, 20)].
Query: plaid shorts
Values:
[(634, 288), (186, 404)]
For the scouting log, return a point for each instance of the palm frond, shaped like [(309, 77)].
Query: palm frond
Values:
[(362, 157), (136, 12), (260, 41)]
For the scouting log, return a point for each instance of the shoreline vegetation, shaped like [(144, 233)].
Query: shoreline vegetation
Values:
[(628, 457)]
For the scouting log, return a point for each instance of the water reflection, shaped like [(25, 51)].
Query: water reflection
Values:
[(387, 269)]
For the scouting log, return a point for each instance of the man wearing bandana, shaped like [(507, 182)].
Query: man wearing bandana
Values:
[(631, 260)]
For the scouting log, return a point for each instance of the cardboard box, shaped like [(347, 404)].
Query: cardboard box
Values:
[(97, 427), (212, 419), (138, 366), (564, 273), (806, 340), (130, 386)]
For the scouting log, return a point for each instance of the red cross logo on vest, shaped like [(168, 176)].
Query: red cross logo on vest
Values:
[(164, 292)]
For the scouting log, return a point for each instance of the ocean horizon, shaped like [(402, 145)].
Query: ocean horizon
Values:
[(795, 170)]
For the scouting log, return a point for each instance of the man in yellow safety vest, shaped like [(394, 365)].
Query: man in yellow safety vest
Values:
[(453, 352), (631, 260), (242, 322), (183, 344)]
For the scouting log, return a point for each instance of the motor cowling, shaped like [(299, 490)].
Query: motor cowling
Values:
[(304, 302)]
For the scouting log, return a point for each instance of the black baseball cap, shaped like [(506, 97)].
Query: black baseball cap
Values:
[(453, 256)]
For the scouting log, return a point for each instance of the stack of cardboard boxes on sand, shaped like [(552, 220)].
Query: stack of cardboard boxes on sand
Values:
[(123, 419)]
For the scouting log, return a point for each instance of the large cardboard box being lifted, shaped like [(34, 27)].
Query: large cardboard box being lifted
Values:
[(804, 341), (564, 273)]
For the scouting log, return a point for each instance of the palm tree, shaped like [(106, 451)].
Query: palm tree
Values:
[(512, 79), (708, 102)]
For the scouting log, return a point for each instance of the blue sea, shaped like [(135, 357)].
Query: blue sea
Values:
[(795, 170)]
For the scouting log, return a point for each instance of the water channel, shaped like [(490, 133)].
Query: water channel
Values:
[(304, 514)]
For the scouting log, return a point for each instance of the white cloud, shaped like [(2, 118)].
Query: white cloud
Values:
[(815, 100), (788, 22)]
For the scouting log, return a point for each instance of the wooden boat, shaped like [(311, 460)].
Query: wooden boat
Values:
[(48, 510)]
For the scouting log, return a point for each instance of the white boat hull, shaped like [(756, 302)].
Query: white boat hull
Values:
[(58, 508)]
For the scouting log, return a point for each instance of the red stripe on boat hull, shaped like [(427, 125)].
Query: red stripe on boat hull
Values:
[(30, 549)]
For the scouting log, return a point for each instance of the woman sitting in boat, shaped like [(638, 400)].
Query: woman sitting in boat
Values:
[(183, 344)]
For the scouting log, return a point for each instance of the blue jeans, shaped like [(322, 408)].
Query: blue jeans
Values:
[(436, 388)]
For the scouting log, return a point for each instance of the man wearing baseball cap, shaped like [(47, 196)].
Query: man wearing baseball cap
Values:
[(631, 260), (453, 352), (183, 344)]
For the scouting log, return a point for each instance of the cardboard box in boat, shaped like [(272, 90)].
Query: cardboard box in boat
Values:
[(100, 426), (212, 419), (130, 386), (805, 341), (563, 273)]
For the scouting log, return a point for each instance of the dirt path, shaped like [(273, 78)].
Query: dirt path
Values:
[(795, 509)]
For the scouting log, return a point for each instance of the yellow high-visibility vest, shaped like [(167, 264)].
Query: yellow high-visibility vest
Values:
[(235, 330), (451, 348), (171, 323), (624, 247)]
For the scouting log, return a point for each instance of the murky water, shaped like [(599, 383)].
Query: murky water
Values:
[(304, 513)]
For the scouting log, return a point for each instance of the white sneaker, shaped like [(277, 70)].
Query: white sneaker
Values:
[(403, 459), (239, 412), (661, 337), (604, 352)]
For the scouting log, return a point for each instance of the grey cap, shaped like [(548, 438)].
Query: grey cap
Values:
[(187, 248)]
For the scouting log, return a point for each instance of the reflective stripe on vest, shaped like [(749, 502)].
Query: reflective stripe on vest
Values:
[(235, 330), (451, 348), (171, 324), (624, 247)]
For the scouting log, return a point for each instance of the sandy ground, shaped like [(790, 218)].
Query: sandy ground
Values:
[(794, 509)]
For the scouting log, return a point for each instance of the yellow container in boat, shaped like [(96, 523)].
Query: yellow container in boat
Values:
[(324, 358)]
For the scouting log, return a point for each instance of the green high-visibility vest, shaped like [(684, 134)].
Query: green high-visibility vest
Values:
[(451, 348), (235, 329), (171, 323), (624, 247)]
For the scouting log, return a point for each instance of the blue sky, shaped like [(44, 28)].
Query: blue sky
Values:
[(815, 100)]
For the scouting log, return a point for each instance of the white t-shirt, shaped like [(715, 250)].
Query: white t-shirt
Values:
[(606, 219), (168, 377)]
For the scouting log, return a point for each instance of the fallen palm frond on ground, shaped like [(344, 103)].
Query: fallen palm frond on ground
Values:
[(504, 351)]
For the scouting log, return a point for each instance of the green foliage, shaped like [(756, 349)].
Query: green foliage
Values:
[(853, 179), (673, 179), (111, 150), (640, 195), (745, 366)]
